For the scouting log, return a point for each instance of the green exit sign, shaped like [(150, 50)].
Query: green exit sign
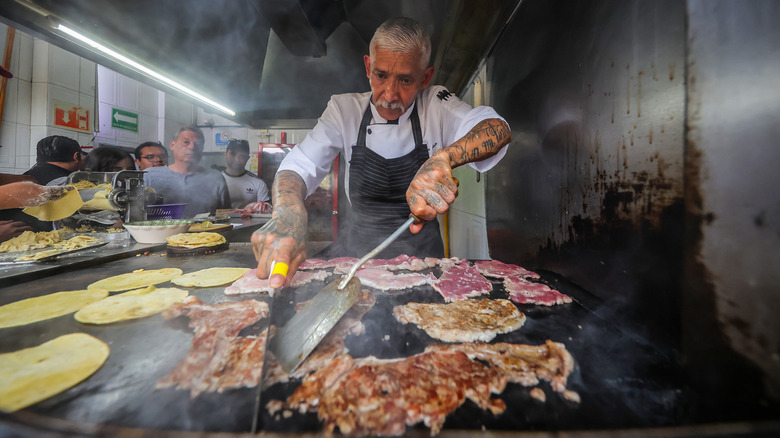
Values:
[(122, 119)]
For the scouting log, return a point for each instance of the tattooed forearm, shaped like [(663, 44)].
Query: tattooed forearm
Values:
[(483, 141)]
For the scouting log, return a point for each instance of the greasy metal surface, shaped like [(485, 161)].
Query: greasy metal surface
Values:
[(592, 184), (732, 202), (121, 392), (624, 381)]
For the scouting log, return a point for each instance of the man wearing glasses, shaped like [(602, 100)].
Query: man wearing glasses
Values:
[(150, 154)]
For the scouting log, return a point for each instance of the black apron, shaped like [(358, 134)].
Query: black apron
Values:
[(377, 189)]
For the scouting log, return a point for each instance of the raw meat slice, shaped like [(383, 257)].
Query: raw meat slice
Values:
[(404, 262), (522, 291), (310, 264), (386, 280), (433, 262), (249, 283), (496, 269), (302, 278), (462, 321), (461, 281)]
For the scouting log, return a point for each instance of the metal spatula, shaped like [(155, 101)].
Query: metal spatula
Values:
[(306, 329)]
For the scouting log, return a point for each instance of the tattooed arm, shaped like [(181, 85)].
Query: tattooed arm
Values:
[(283, 238), (433, 189)]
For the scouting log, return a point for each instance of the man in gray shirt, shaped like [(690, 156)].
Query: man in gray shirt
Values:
[(186, 181)]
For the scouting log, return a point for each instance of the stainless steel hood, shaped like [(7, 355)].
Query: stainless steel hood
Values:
[(266, 59)]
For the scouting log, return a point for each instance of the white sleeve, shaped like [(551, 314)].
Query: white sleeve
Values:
[(262, 191), (313, 157)]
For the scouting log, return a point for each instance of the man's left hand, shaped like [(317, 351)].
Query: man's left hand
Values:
[(432, 190)]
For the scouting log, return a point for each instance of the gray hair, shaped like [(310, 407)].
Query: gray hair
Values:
[(402, 35)]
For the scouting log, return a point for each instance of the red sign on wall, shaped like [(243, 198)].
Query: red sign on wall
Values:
[(70, 116)]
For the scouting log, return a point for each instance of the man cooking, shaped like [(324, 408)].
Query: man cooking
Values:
[(186, 181), (400, 142)]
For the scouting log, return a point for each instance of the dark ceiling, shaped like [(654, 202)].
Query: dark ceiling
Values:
[(269, 60)]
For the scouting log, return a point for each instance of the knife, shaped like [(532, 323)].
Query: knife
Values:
[(305, 330)]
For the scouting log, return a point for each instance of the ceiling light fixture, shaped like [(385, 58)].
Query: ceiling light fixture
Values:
[(145, 70)]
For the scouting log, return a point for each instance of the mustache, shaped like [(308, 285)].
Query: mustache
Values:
[(390, 105)]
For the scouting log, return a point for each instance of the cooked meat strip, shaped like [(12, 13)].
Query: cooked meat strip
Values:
[(462, 321)]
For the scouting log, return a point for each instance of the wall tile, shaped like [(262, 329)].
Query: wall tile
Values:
[(11, 102), (39, 104), (25, 56), (127, 93), (40, 68), (106, 85), (87, 76), (63, 68), (106, 131), (148, 99), (8, 143), (23, 140), (23, 101), (147, 128)]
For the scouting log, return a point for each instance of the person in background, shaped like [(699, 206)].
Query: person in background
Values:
[(108, 159), (186, 181), (57, 156), (244, 187), (150, 154), (102, 159), (400, 142)]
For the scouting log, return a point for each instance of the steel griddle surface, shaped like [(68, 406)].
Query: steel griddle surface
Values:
[(623, 381), (121, 392)]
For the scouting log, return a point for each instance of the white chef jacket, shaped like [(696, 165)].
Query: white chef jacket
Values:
[(444, 119)]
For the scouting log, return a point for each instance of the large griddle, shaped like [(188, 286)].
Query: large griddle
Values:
[(121, 393), (624, 380)]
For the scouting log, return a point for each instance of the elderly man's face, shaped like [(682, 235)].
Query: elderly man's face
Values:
[(187, 148), (152, 156), (396, 80)]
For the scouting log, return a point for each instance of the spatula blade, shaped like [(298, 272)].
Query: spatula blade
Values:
[(304, 331)]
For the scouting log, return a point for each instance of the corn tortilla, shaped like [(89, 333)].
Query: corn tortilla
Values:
[(47, 306), (58, 209), (34, 374), (136, 279), (130, 305), (210, 277)]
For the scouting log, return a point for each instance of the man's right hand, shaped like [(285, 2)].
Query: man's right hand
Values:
[(283, 238), (11, 229)]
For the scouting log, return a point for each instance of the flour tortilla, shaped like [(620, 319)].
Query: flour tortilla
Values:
[(130, 305), (34, 374), (136, 279), (210, 277), (195, 240), (47, 306), (59, 209)]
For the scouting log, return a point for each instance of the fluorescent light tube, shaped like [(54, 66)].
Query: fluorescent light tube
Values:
[(145, 70)]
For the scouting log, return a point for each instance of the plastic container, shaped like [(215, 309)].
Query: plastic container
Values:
[(164, 211), (157, 231)]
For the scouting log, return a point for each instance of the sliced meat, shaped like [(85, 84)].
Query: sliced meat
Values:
[(302, 278), (461, 281), (380, 397), (462, 321), (249, 283), (522, 291), (218, 359), (523, 364), (386, 280), (496, 269), (402, 262), (433, 262)]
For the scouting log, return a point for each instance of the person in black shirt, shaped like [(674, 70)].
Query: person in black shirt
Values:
[(57, 156)]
